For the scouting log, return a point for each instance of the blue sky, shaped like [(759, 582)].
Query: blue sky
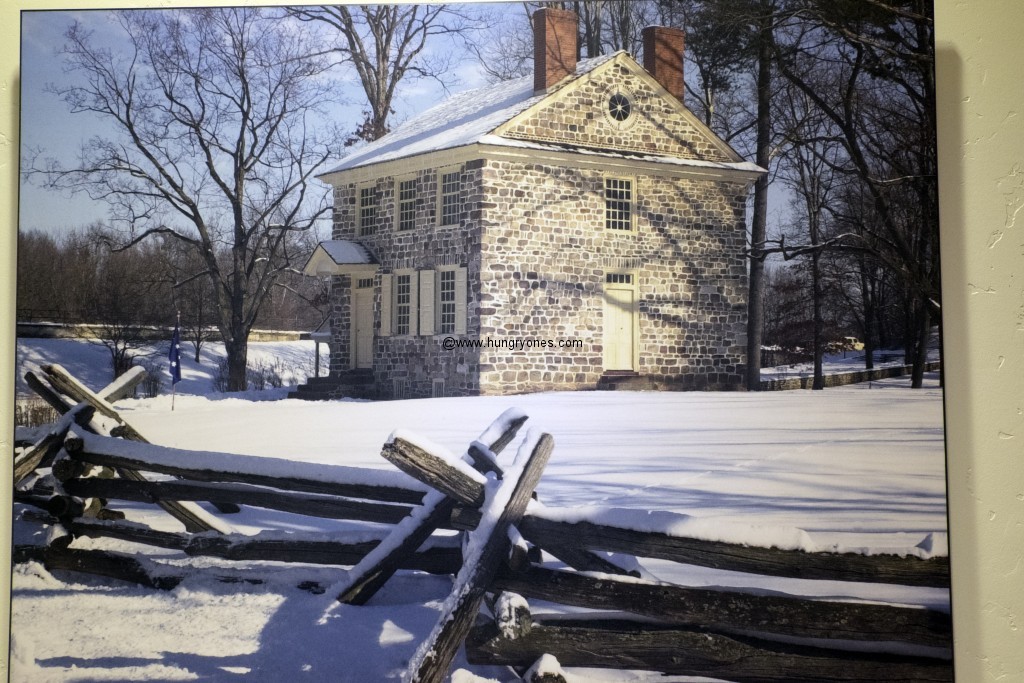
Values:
[(47, 125)]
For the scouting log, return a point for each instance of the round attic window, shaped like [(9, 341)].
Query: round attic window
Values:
[(618, 109)]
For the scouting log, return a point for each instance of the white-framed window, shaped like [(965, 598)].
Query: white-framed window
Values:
[(406, 204), (446, 302), (449, 186), (424, 302), (450, 306), (618, 203), (403, 304), (368, 203), (399, 303)]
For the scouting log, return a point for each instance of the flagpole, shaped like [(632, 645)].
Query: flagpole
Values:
[(174, 385)]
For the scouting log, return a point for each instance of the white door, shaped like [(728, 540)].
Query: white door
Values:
[(362, 327), (619, 342)]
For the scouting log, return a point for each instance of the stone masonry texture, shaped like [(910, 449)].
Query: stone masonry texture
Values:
[(532, 237)]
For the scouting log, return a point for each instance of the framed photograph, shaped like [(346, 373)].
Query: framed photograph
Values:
[(592, 341)]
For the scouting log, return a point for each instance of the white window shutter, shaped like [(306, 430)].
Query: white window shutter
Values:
[(427, 302), (385, 305), (460, 301), (414, 303)]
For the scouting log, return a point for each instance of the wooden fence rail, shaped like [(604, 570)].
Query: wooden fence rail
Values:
[(280, 473), (893, 569), (308, 504), (623, 644), (735, 610), (543, 527)]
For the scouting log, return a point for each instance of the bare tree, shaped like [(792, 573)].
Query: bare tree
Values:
[(195, 300), (505, 47), (719, 62), (39, 286), (127, 302), (810, 166), (212, 142), (386, 44), (881, 100)]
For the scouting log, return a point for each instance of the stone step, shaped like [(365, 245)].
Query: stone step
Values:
[(310, 395), (354, 383), (625, 380)]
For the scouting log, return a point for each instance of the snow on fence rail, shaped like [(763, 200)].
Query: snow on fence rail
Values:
[(92, 456)]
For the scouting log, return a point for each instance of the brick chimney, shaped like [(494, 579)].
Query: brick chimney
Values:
[(663, 57), (554, 47)]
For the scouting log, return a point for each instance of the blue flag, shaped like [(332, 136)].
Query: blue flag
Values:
[(174, 355)]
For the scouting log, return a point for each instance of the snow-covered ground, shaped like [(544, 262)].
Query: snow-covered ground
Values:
[(293, 361), (842, 362), (854, 467)]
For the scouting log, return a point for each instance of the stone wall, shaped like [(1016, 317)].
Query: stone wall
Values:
[(341, 327), (536, 269), (537, 252), (545, 257), (576, 116), (414, 361), (844, 378)]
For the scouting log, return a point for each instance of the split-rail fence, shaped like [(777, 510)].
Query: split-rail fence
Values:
[(70, 473)]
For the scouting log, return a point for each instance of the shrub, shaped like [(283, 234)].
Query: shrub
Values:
[(220, 376), (263, 374), (32, 412), (153, 383)]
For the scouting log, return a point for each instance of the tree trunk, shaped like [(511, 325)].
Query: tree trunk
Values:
[(819, 323), (867, 304), (921, 352), (758, 230), (120, 360), (237, 353)]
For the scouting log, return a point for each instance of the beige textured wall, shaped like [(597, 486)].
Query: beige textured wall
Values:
[(981, 186), (982, 148)]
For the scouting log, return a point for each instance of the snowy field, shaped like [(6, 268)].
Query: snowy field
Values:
[(854, 467), (294, 361)]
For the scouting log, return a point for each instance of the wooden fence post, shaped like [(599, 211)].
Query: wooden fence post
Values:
[(193, 517), (369, 575), (43, 450), (486, 550)]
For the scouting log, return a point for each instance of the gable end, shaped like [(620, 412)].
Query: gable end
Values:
[(575, 116)]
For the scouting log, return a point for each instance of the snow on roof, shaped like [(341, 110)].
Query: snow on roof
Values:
[(346, 251), (460, 120)]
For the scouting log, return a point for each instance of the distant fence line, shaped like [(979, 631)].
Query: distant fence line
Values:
[(844, 378), (47, 330)]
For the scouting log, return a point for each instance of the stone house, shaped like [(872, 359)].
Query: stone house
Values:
[(574, 229)]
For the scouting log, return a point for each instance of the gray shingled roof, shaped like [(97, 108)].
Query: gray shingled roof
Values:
[(462, 119)]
